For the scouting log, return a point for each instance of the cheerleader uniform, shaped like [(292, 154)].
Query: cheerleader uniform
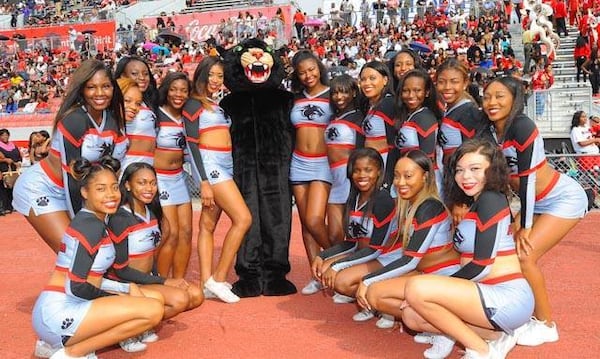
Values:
[(377, 230), (343, 132), (207, 162), (460, 123), (484, 234), (76, 136), (430, 232), (310, 111), (171, 183), (142, 127), (420, 132), (523, 148), (378, 125), (86, 251), (134, 236)]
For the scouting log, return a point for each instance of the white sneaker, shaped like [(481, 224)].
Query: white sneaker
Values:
[(503, 345), (471, 354), (221, 290), (536, 333), (60, 354), (363, 315), (441, 348), (386, 321), (149, 336), (312, 287), (132, 345), (43, 349), (424, 338), (342, 299)]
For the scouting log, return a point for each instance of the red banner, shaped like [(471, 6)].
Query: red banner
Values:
[(103, 34), (199, 26)]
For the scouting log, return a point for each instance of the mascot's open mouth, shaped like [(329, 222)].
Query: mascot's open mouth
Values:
[(257, 65), (257, 72)]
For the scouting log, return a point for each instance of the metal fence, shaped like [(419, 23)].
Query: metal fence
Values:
[(582, 169)]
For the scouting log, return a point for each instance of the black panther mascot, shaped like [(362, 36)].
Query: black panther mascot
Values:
[(262, 140)]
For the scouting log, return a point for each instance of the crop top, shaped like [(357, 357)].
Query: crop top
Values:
[(460, 123), (419, 131), (134, 236), (379, 121), (378, 229), (429, 232), (311, 111), (345, 131), (86, 250), (171, 136), (484, 233), (523, 148), (143, 126), (78, 136)]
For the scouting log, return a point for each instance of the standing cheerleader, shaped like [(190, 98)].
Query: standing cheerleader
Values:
[(140, 130), (342, 135), (88, 124), (209, 143), (174, 252), (379, 124), (310, 175)]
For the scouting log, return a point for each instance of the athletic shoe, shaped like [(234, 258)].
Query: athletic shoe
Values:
[(503, 345), (386, 321), (149, 336), (424, 338), (208, 294), (60, 354), (312, 287), (342, 299), (471, 354), (43, 349), (132, 345), (363, 315), (441, 348), (221, 290), (536, 333)]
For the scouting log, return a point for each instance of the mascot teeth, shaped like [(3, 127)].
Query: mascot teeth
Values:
[(258, 72)]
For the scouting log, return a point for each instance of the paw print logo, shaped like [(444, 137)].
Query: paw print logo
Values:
[(164, 195), (67, 323), (42, 201), (215, 174)]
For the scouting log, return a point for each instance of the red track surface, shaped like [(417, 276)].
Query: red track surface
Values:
[(297, 326)]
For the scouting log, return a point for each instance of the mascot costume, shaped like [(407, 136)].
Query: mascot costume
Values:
[(262, 140)]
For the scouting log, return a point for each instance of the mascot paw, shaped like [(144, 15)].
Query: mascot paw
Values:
[(278, 287), (245, 288)]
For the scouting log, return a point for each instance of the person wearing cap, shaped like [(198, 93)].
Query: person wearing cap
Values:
[(595, 125)]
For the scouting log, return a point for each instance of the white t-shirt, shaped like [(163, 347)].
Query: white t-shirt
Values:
[(580, 134)]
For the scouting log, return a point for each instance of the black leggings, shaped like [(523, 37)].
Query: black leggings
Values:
[(580, 62)]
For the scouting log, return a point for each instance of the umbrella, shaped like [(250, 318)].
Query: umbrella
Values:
[(4, 37), (160, 50), (483, 71), (89, 31), (419, 47), (170, 36), (149, 45), (389, 54)]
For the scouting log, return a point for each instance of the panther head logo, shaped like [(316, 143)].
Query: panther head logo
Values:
[(312, 112), (332, 133)]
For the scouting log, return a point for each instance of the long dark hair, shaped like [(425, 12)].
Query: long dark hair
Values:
[(150, 96), (576, 119), (74, 96), (515, 87), (355, 155), (392, 64), (387, 89), (126, 196), (431, 101), (201, 79), (300, 56), (496, 175), (171, 77)]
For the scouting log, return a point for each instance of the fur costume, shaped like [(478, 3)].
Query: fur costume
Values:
[(262, 140)]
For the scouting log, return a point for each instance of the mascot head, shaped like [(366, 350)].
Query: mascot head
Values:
[(251, 65)]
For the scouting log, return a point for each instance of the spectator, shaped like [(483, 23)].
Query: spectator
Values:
[(582, 54), (11, 105), (299, 21), (584, 142)]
